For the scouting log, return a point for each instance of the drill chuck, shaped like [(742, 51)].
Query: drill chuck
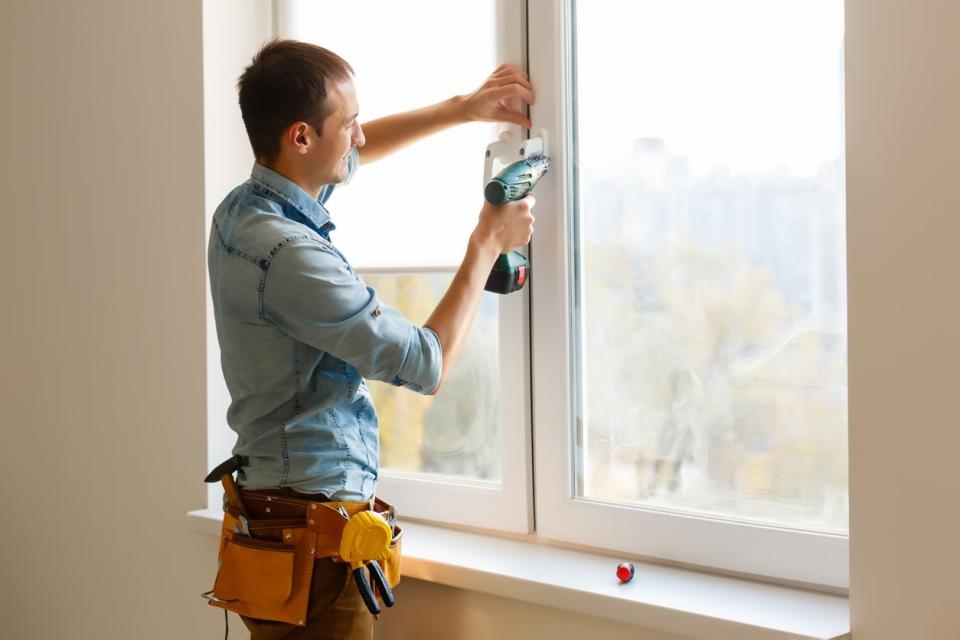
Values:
[(517, 180)]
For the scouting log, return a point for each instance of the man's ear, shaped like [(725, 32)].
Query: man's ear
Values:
[(297, 137)]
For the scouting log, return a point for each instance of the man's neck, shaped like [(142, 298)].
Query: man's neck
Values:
[(292, 174)]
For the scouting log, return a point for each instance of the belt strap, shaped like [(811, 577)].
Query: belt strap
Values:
[(272, 516)]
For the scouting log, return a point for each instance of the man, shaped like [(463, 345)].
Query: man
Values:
[(299, 331)]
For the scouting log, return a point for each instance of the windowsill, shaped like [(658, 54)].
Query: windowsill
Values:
[(675, 600)]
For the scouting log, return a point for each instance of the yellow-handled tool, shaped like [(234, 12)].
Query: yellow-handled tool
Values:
[(366, 539)]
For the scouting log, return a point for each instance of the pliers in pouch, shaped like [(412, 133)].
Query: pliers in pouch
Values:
[(379, 581)]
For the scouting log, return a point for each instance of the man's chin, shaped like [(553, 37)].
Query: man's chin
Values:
[(340, 172)]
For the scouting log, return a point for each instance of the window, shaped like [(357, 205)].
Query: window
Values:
[(461, 456), (672, 381), (698, 199)]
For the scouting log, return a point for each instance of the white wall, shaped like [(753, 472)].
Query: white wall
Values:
[(103, 322), (434, 612), (903, 154), (103, 342)]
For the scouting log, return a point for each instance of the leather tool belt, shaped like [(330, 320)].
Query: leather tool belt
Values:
[(268, 544)]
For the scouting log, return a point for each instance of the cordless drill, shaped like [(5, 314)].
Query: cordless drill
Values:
[(512, 270)]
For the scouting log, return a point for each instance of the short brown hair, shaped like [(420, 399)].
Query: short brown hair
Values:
[(286, 82)]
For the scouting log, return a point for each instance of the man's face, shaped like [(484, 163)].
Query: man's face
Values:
[(341, 131)]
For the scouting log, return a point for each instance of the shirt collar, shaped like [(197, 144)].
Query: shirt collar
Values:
[(290, 193)]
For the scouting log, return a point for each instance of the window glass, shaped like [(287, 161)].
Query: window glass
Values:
[(711, 292), (416, 207)]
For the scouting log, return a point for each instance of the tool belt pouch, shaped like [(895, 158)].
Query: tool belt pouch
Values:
[(262, 578)]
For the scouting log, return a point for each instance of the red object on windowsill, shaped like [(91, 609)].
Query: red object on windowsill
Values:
[(625, 571)]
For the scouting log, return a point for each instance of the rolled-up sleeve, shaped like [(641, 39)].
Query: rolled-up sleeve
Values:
[(311, 294)]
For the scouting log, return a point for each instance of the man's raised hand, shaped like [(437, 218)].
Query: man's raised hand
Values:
[(499, 98)]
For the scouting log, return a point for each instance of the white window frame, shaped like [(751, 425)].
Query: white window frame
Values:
[(781, 553)]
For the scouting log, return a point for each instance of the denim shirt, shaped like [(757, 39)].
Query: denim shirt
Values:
[(299, 331)]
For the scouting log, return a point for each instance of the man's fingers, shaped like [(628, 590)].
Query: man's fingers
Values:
[(495, 99), (513, 90), (508, 73), (506, 68), (508, 80), (513, 118)]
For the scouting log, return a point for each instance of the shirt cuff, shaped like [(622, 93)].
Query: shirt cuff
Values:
[(423, 363)]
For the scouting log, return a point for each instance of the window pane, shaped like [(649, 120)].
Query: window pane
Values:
[(712, 275), (423, 201), (456, 432)]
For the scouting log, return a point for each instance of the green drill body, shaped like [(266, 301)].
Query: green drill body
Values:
[(511, 270)]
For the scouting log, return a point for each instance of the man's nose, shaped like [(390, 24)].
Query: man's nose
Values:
[(358, 138)]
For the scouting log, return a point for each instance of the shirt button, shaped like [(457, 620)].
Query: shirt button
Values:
[(377, 312)]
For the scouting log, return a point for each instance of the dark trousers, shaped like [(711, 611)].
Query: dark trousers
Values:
[(336, 610)]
